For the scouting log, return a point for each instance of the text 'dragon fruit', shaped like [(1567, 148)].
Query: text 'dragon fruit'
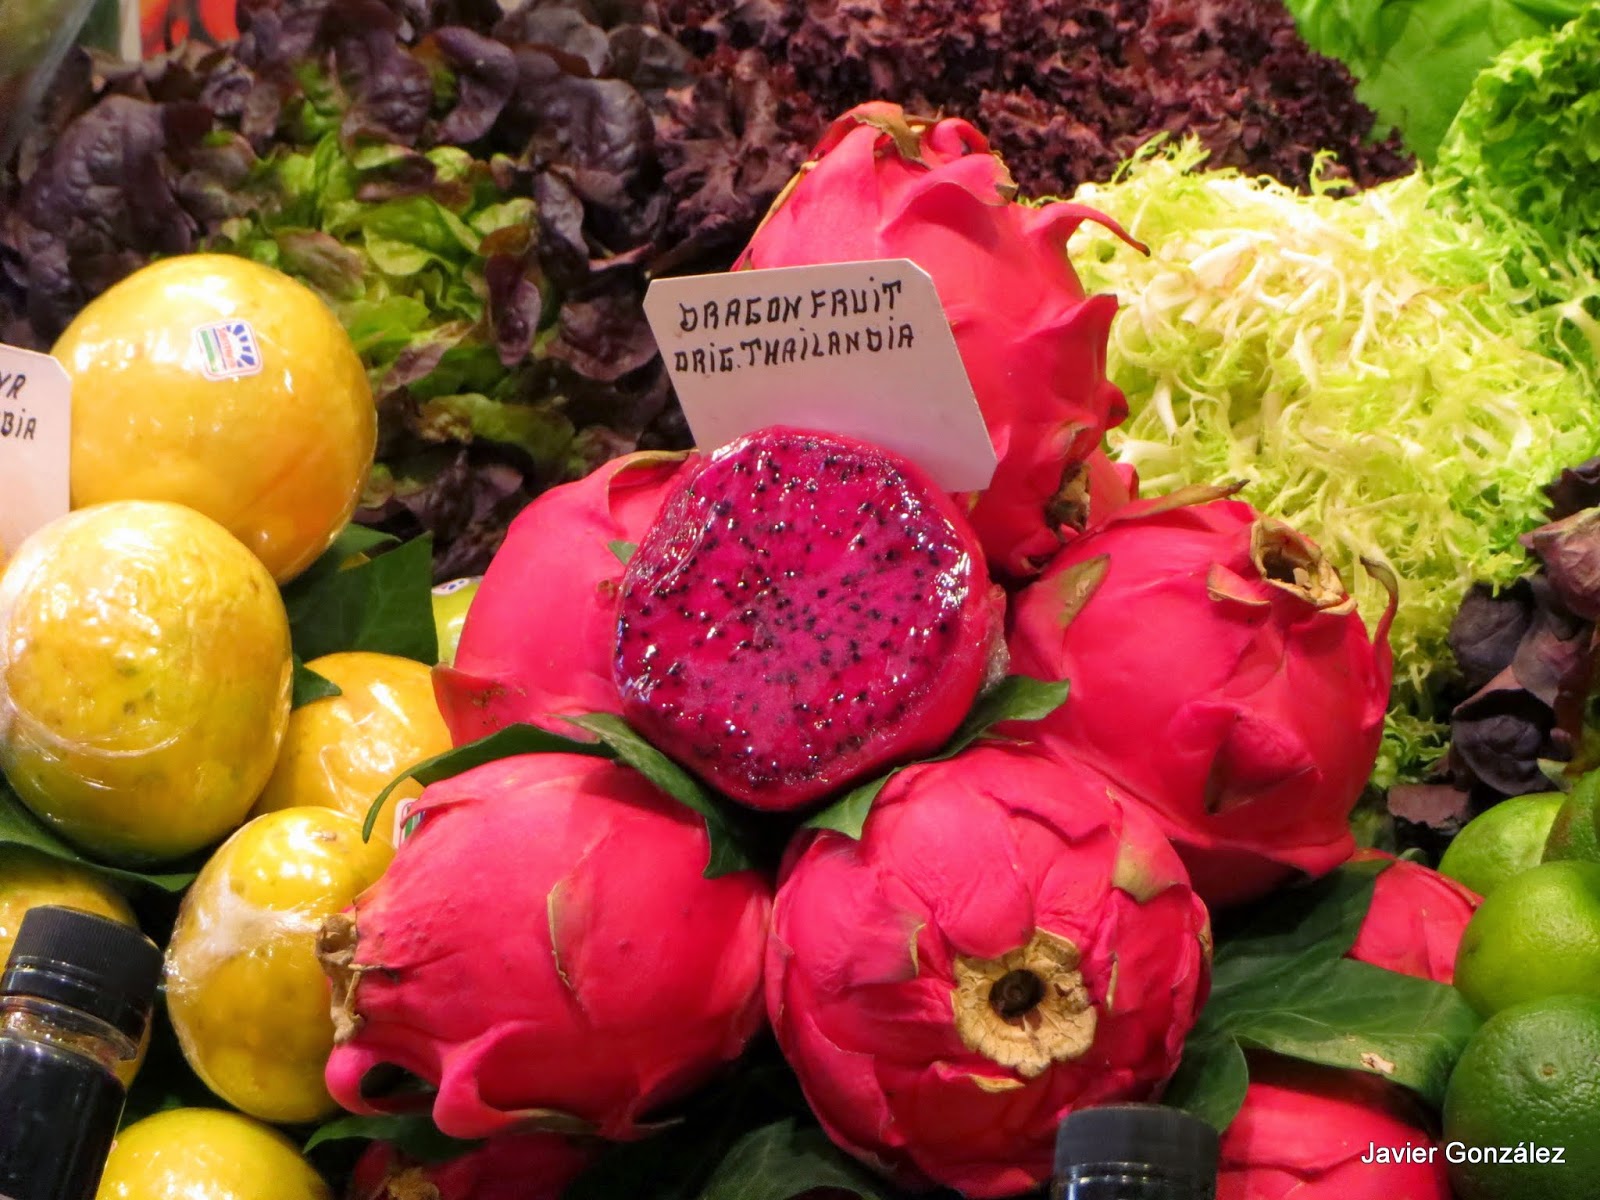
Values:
[(884, 184), (1221, 674), (244, 990), (538, 640), (144, 678), (513, 1166), (807, 609), (221, 384), (545, 952), (1008, 941)]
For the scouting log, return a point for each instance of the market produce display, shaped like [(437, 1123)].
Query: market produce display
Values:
[(762, 820), (483, 197)]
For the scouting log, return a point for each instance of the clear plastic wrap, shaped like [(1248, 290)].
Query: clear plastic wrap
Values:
[(244, 990), (218, 383), (341, 751), (144, 679)]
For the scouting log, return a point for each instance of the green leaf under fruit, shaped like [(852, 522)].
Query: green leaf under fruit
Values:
[(413, 1134), (19, 827), (383, 605), (1014, 698), (1281, 983), (785, 1160), (616, 742), (309, 686), (1210, 1081)]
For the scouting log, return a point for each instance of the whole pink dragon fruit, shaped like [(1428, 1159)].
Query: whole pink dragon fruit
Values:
[(1221, 674), (545, 951), (1009, 940), (806, 610), (1304, 1130), (1416, 921), (537, 642), (513, 1166), (884, 184)]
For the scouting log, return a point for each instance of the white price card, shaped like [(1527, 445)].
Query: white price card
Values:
[(861, 348), (35, 443)]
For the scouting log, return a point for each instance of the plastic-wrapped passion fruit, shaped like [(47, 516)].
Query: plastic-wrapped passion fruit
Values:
[(144, 679), (218, 383), (244, 989), (340, 751)]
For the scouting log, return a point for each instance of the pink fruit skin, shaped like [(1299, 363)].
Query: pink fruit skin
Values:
[(1246, 715), (537, 642), (881, 185), (545, 941), (806, 611), (1303, 1131), (968, 859), (513, 1166), (1416, 921)]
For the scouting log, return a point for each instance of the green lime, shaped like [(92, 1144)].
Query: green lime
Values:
[(1538, 935), (1575, 833), (1523, 1104), (1501, 842)]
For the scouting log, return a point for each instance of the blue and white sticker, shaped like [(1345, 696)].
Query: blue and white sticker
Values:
[(228, 350)]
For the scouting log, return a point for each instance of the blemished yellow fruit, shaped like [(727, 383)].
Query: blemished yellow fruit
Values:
[(341, 751), (245, 992), (207, 1154), (224, 385), (29, 879), (145, 678)]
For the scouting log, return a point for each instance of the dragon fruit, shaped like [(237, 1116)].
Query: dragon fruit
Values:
[(1009, 940), (513, 1166), (1304, 1130), (1221, 674), (537, 641), (545, 952), (806, 610), (884, 184), (1416, 921)]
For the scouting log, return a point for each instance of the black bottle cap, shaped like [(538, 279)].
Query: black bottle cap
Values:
[(87, 962), (1165, 1139)]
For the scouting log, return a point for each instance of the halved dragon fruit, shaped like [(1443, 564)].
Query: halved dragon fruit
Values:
[(807, 609)]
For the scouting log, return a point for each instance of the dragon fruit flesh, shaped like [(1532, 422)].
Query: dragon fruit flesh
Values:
[(545, 952), (884, 184), (806, 610), (1009, 940), (513, 1166), (1304, 1130), (1416, 920), (537, 642), (1221, 674)]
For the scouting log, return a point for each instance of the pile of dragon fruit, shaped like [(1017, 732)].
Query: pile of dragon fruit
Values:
[(1013, 920)]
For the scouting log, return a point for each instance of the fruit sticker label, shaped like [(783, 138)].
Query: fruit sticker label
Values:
[(228, 350), (861, 348), (404, 825), (35, 444)]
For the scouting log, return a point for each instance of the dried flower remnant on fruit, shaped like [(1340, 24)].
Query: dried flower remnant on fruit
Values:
[(1010, 939), (806, 609)]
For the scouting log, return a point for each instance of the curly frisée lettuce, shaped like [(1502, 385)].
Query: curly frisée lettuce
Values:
[(1345, 356)]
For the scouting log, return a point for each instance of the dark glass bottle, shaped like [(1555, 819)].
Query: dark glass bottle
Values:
[(75, 998), (1135, 1152)]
